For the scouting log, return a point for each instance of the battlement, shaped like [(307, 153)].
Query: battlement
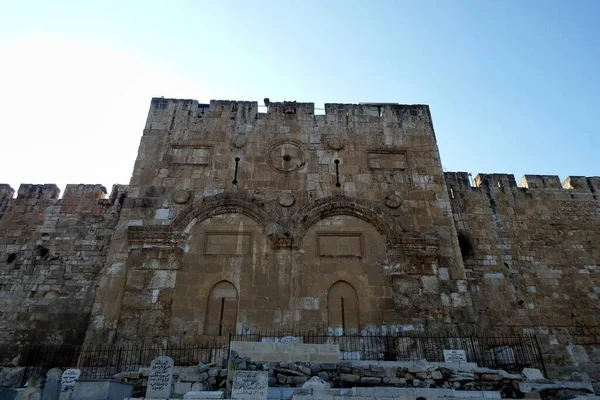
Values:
[(42, 192), (6, 192), (50, 191), (250, 109), (462, 180)]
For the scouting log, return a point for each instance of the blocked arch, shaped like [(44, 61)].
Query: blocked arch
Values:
[(343, 314), (252, 207), (221, 309), (327, 207)]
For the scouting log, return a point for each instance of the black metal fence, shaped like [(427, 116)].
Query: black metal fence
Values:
[(511, 353), (105, 361)]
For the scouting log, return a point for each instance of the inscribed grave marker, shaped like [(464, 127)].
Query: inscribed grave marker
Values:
[(455, 356), (69, 377), (250, 385), (160, 378)]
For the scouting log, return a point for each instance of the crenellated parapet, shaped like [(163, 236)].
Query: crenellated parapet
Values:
[(52, 250), (462, 180), (170, 114), (531, 255)]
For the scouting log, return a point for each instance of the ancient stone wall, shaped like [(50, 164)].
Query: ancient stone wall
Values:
[(239, 220), (244, 220), (532, 258), (52, 251)]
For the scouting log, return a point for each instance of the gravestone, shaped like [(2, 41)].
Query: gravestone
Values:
[(69, 377), (160, 378), (250, 385), (455, 356), (53, 384)]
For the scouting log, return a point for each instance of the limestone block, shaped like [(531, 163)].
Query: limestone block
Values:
[(182, 387)]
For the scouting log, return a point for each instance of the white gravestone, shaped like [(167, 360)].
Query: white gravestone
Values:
[(250, 385), (53, 385), (69, 377), (455, 356), (160, 378)]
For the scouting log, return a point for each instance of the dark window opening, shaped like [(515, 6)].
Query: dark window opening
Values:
[(466, 247)]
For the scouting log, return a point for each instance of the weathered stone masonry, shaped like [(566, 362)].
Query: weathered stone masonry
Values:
[(53, 252), (340, 222)]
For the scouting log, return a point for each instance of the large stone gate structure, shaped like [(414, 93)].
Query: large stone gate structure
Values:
[(237, 220)]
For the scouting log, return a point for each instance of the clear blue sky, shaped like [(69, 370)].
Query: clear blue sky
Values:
[(513, 85)]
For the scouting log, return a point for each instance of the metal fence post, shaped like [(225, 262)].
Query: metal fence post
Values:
[(119, 360)]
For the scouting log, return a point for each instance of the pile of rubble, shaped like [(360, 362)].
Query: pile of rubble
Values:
[(356, 374), (203, 377), (467, 377), (350, 374)]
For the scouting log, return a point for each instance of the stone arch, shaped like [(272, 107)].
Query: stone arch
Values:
[(310, 214), (252, 207), (221, 309), (343, 308)]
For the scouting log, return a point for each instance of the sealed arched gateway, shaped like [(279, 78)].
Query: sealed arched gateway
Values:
[(342, 308), (221, 310)]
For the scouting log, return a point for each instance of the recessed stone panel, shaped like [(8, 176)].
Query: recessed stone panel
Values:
[(386, 160), (340, 245), (189, 155), (228, 243)]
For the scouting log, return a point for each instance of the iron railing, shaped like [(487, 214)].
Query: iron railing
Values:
[(105, 361), (511, 353)]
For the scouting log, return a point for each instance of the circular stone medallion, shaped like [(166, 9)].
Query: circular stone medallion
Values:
[(335, 143), (181, 196), (286, 199), (239, 141), (393, 201), (286, 156)]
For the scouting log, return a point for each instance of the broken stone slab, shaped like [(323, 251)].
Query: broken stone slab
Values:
[(485, 370), (128, 375), (370, 380), (528, 387), (461, 378), (512, 377), (491, 377), (413, 369), (376, 370), (316, 383), (203, 395), (182, 387), (586, 398), (328, 366), (287, 371), (296, 380), (349, 378), (533, 374)]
